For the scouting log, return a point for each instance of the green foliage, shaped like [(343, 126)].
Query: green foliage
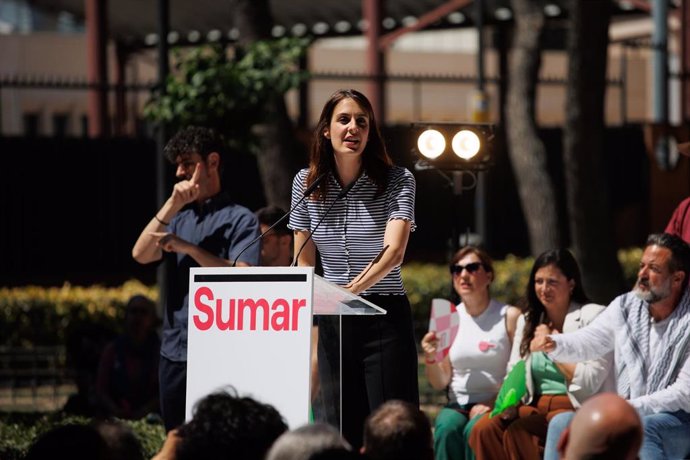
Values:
[(630, 263), (150, 435), (424, 282), (229, 93), (38, 316), (19, 430)]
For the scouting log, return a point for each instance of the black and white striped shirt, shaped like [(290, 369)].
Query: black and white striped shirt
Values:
[(351, 234)]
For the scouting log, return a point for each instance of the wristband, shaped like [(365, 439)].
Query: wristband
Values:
[(160, 221), (429, 361)]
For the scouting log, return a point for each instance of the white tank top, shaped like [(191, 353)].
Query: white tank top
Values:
[(479, 355)]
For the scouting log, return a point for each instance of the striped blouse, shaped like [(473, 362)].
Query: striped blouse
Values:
[(351, 234)]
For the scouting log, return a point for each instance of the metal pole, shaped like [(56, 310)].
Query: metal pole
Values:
[(660, 73), (480, 191), (96, 32), (624, 84), (163, 71), (373, 13), (162, 180), (685, 60)]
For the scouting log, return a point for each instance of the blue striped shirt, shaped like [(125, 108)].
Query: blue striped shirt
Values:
[(351, 234)]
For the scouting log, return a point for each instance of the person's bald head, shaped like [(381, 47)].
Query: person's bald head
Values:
[(605, 427)]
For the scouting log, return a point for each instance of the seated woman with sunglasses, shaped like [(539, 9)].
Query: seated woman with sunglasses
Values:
[(555, 302), (475, 366)]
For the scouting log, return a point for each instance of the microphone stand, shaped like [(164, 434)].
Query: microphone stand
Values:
[(305, 194)]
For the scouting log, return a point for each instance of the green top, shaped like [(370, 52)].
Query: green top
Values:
[(548, 380)]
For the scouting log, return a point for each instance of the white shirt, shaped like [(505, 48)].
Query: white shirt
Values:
[(599, 337), (348, 231), (479, 354)]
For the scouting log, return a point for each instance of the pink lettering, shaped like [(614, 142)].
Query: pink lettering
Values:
[(253, 307), (230, 323), (280, 320), (203, 308), (233, 314), (296, 305)]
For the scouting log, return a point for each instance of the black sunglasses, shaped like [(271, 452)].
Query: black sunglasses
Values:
[(471, 268)]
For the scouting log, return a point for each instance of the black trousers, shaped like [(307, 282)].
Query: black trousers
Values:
[(379, 363), (172, 377)]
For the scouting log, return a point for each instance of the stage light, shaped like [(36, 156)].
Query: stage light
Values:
[(466, 144), (470, 145), (431, 144)]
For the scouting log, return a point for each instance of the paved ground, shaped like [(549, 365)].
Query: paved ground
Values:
[(45, 398)]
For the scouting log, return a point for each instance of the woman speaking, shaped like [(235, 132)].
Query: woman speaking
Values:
[(358, 219)]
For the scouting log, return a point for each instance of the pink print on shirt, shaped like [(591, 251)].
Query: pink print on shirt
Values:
[(486, 346)]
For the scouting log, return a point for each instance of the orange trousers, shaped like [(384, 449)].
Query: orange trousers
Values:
[(522, 438)]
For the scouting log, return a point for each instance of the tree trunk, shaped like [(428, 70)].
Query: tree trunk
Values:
[(589, 213), (526, 150), (280, 155)]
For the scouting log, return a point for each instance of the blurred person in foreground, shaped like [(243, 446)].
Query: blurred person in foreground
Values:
[(606, 427), (225, 425), (305, 442), (474, 368), (397, 430)]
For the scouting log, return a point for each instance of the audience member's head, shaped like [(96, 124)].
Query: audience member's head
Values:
[(141, 318), (605, 427), (122, 443), (73, 441), (276, 245), (398, 430), (225, 425), (672, 254), (306, 441)]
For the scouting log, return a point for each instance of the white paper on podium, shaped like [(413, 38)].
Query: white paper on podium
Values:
[(331, 299)]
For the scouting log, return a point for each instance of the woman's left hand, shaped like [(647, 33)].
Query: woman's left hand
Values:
[(479, 409)]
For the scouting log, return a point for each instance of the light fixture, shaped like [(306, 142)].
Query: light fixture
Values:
[(431, 144), (454, 146), (466, 144)]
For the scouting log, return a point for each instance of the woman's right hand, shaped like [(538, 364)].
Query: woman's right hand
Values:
[(541, 340), (430, 345)]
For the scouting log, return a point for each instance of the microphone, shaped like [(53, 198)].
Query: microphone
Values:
[(340, 196), (305, 194)]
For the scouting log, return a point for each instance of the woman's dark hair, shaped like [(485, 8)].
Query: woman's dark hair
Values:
[(375, 158), (533, 309)]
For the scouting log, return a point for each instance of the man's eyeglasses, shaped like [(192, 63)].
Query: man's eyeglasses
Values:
[(471, 267)]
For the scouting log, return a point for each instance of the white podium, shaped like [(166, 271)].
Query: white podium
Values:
[(250, 328)]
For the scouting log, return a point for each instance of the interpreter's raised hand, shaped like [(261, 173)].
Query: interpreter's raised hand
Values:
[(169, 242), (187, 191), (430, 344)]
